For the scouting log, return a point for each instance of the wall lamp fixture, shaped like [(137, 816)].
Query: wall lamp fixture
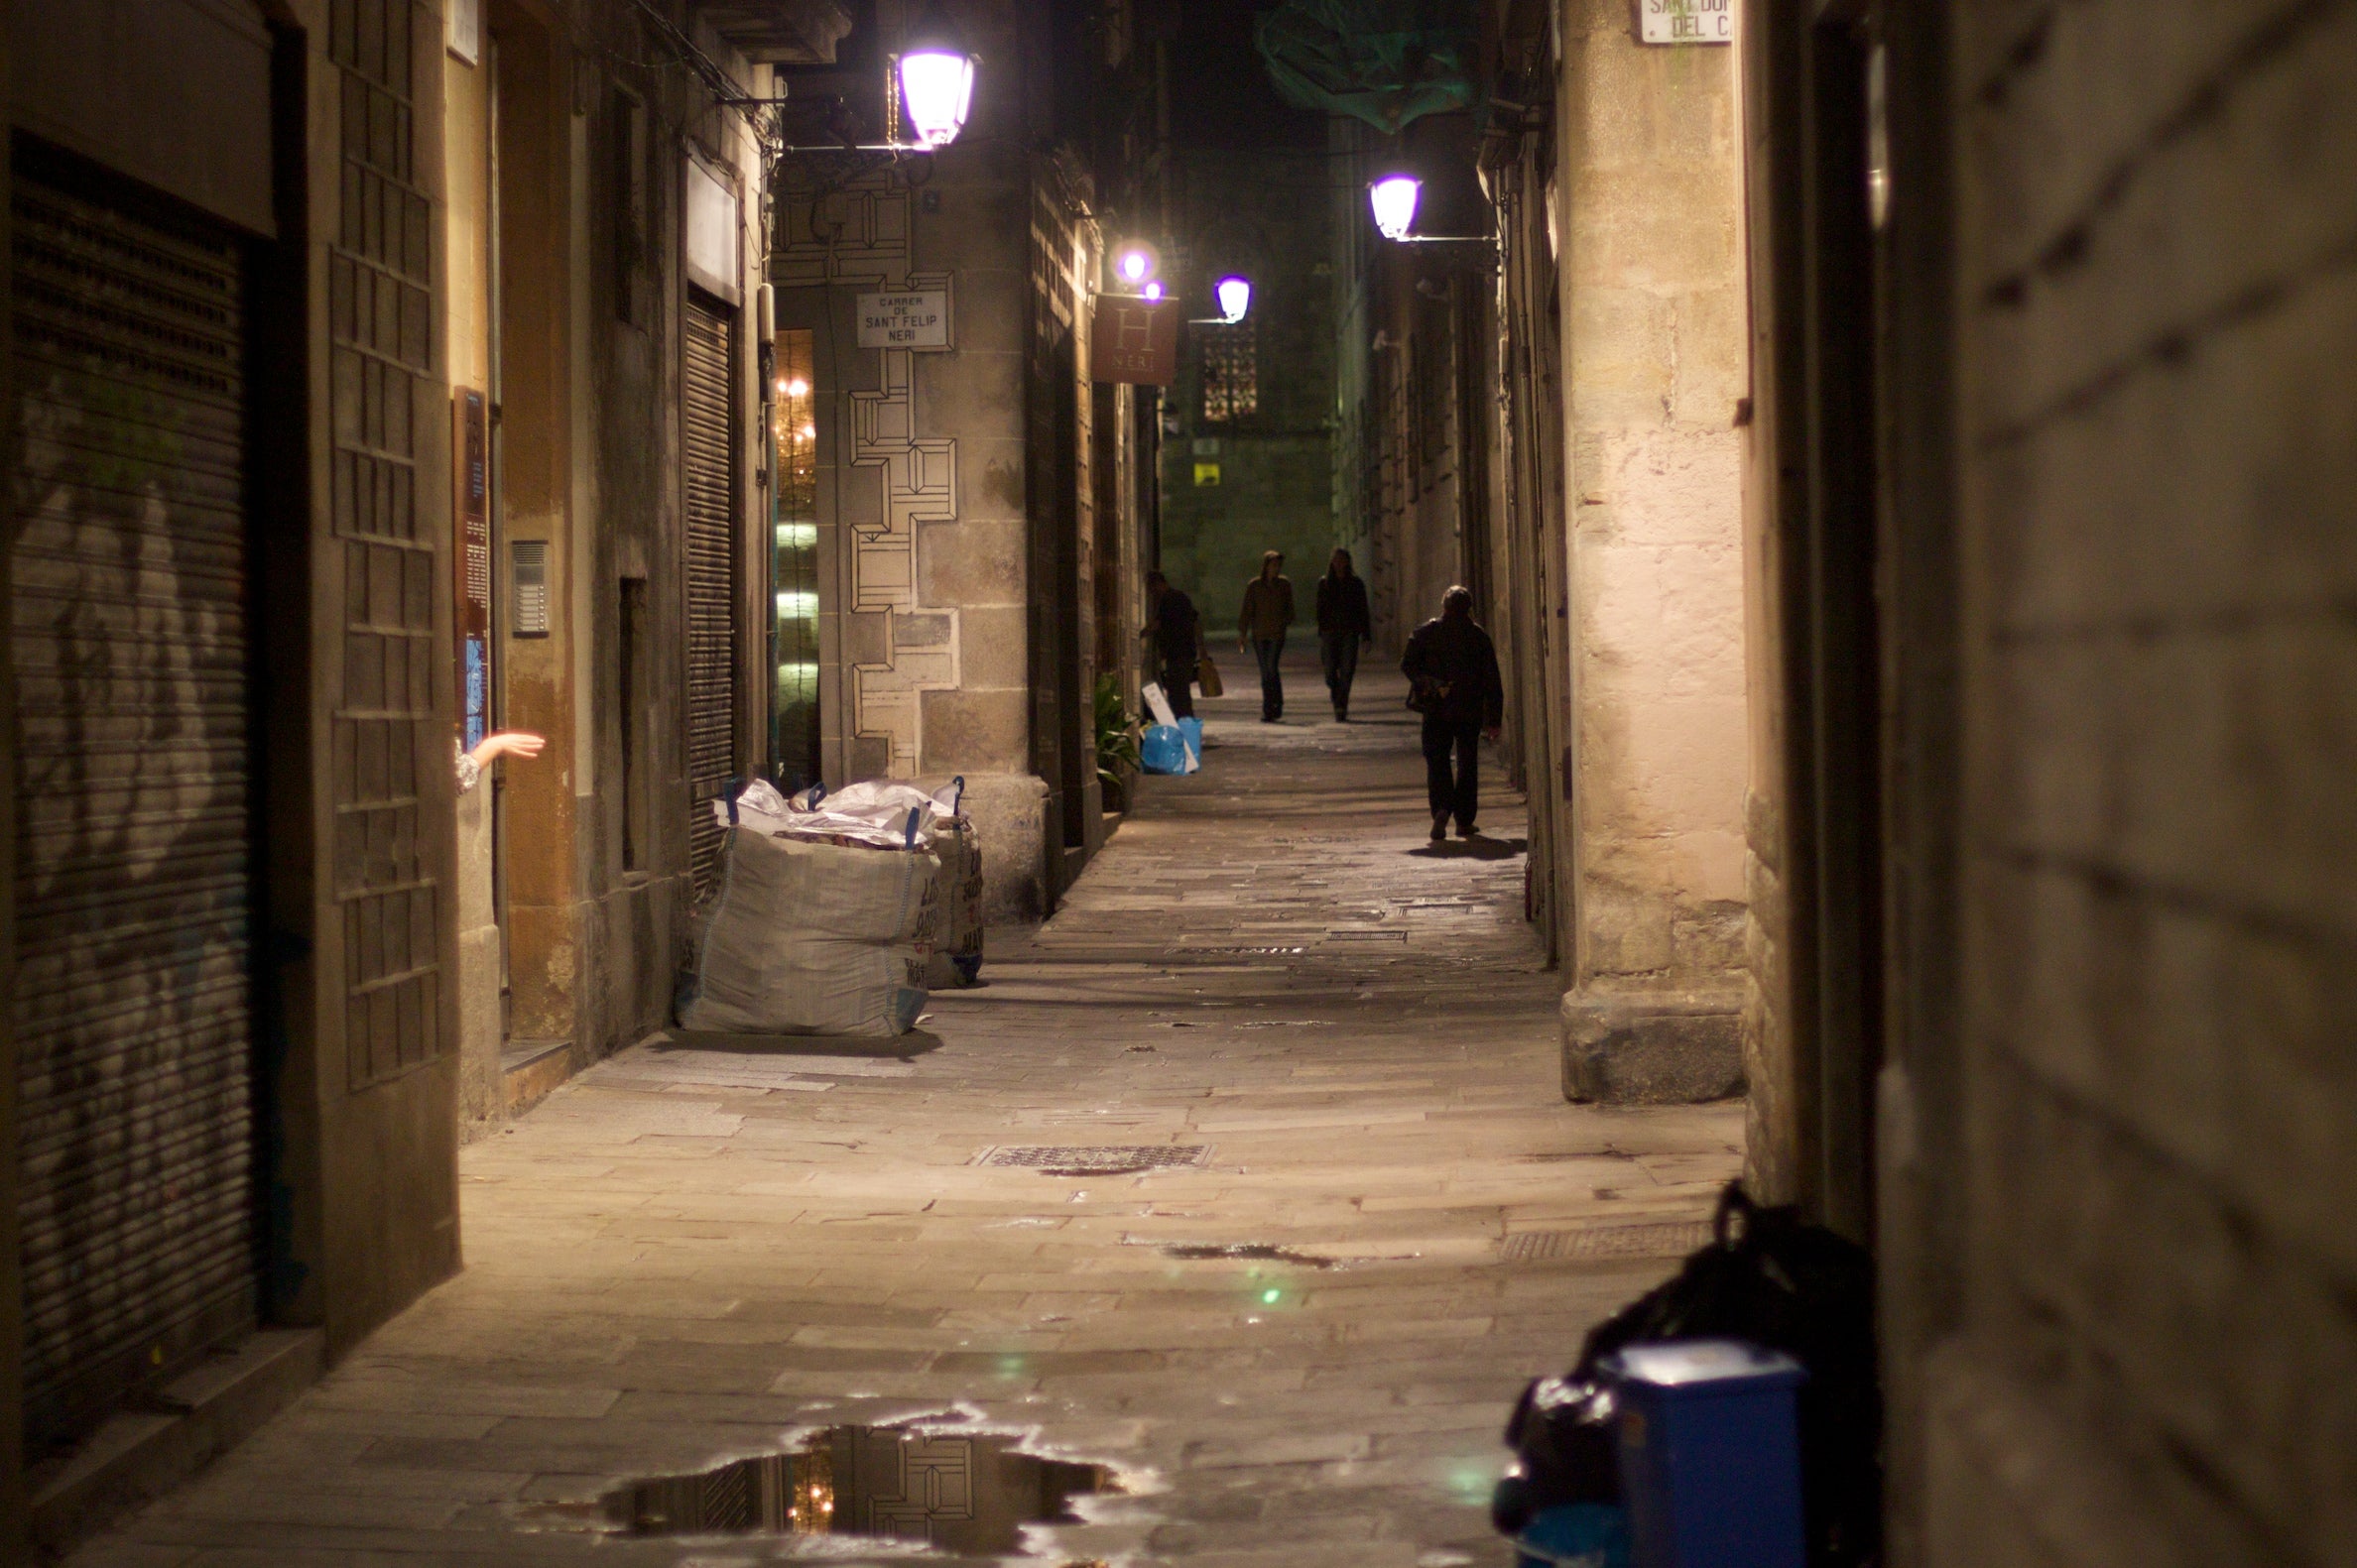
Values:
[(1394, 199), (1235, 294)]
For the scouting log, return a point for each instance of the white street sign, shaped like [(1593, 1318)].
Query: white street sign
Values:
[(1687, 21), (918, 320)]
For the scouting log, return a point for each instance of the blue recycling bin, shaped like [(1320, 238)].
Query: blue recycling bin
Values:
[(1709, 1454)]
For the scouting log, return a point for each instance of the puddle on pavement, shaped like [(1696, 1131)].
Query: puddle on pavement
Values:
[(969, 1494)]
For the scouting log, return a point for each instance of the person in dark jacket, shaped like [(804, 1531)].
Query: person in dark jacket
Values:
[(1268, 611), (1342, 625), (1178, 635), (1453, 680)]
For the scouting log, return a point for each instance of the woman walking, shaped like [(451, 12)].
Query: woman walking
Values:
[(1268, 611), (1342, 625)]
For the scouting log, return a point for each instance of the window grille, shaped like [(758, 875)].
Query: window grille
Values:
[(1231, 373)]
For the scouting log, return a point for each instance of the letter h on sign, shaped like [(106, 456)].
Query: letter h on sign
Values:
[(1134, 340)]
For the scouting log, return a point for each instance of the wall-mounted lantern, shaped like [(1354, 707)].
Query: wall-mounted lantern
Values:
[(1394, 199), (937, 81)]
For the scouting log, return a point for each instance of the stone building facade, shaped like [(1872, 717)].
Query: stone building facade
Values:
[(389, 371), (2058, 797)]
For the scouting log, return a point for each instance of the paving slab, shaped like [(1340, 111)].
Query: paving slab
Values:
[(1298, 1351)]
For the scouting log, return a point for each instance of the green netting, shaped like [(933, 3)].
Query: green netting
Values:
[(1384, 61)]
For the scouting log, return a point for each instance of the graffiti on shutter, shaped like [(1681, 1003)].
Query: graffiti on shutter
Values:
[(131, 1012)]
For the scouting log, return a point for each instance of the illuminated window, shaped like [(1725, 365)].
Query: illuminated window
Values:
[(1231, 372)]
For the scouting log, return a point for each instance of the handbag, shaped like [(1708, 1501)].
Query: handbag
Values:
[(1207, 676), (1426, 694)]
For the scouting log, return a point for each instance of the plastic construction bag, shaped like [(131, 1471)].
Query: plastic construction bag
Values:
[(812, 937), (1164, 750), (891, 813), (838, 914)]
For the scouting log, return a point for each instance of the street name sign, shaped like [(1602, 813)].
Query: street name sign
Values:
[(1685, 20), (918, 319)]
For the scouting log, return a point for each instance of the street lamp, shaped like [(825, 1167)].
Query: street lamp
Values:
[(1235, 298), (937, 81), (1136, 263), (1394, 199)]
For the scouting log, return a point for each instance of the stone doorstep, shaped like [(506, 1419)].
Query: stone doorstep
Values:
[(139, 1455), (528, 1071), (1665, 1046)]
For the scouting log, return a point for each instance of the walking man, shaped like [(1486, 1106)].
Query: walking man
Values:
[(1453, 680), (1176, 632), (1342, 625), (1268, 611)]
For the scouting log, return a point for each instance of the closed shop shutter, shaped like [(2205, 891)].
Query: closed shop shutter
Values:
[(707, 445), (131, 1011)]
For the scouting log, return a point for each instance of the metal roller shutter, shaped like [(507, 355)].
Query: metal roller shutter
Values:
[(131, 1013), (707, 445)]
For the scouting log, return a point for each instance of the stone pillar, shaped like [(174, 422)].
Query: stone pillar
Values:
[(1654, 367)]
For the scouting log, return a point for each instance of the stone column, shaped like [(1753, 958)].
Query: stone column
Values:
[(1654, 367)]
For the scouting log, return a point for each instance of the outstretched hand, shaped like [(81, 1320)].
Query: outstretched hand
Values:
[(507, 743)]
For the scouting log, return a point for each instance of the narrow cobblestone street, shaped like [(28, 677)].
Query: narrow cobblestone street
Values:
[(1295, 1342)]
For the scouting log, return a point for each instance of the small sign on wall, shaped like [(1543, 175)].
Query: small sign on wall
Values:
[(1206, 474), (714, 260), (1685, 20), (913, 318), (466, 29)]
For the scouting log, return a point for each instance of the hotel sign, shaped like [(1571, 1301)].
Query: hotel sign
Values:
[(1134, 340), (1685, 20)]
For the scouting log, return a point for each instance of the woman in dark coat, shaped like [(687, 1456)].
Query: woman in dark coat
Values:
[(1342, 625)]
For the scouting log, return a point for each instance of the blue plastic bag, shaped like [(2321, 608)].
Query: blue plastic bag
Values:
[(1163, 749), (1192, 729)]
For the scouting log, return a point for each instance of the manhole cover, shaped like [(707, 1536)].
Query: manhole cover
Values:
[(1097, 1160), (1669, 1240)]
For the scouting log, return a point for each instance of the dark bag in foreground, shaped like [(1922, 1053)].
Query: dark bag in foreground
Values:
[(1769, 1279)]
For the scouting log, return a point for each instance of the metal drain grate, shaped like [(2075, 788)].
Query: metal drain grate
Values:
[(1671, 1238), (1097, 1160), (1241, 952)]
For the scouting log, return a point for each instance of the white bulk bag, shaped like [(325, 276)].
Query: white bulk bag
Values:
[(807, 937)]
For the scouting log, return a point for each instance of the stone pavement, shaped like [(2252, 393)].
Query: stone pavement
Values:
[(702, 1246)]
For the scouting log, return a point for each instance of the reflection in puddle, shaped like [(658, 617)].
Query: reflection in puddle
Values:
[(964, 1494)]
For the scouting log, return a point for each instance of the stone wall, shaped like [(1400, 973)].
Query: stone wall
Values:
[(2158, 450)]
